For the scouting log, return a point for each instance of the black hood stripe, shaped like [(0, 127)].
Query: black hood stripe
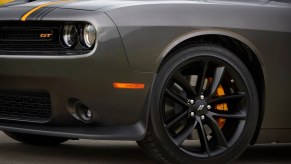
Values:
[(47, 10), (42, 13), (31, 14)]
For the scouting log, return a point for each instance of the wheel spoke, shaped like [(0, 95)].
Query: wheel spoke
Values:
[(218, 74), (226, 114), (203, 137), (185, 133), (181, 80), (226, 99), (202, 77), (216, 131), (177, 98), (177, 119)]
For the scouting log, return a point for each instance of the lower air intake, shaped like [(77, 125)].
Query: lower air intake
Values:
[(25, 106)]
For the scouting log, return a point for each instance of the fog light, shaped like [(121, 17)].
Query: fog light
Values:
[(89, 113), (83, 112)]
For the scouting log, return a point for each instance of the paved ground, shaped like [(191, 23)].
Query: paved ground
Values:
[(106, 152)]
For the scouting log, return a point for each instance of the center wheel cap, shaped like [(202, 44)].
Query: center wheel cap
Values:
[(200, 107)]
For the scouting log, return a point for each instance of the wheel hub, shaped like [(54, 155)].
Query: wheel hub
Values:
[(200, 107)]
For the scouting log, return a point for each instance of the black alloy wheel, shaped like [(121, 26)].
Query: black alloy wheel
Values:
[(204, 109)]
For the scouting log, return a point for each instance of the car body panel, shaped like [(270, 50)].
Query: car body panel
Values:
[(259, 28), (133, 39)]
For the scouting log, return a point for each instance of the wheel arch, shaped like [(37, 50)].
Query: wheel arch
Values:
[(240, 46)]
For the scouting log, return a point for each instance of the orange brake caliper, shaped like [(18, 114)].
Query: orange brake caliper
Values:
[(222, 107)]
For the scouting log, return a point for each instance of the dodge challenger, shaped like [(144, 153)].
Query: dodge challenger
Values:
[(192, 81)]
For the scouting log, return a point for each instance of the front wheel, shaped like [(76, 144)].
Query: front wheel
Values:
[(204, 108)]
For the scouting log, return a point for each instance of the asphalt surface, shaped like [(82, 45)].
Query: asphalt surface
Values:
[(106, 152)]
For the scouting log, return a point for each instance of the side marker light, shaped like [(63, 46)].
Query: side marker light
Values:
[(128, 85)]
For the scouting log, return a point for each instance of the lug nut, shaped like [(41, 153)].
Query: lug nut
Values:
[(201, 97), (232, 81), (192, 114), (191, 101), (208, 107), (202, 117)]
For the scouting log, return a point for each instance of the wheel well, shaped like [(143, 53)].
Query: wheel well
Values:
[(243, 52)]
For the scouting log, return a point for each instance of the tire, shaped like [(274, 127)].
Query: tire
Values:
[(35, 139), (208, 120)]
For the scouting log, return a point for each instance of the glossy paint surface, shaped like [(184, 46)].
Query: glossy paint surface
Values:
[(133, 39)]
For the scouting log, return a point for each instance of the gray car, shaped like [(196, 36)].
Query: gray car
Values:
[(191, 81)]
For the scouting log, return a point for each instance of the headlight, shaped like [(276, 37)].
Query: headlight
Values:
[(89, 36), (70, 35)]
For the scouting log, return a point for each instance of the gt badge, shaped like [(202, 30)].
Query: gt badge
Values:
[(45, 35)]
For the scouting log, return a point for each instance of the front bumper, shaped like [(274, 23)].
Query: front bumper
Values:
[(117, 113)]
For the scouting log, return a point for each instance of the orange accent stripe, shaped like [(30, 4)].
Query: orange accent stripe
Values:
[(128, 85), (23, 18)]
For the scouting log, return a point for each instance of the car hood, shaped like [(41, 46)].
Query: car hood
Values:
[(91, 5), (68, 4), (36, 10), (101, 4), (15, 9)]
